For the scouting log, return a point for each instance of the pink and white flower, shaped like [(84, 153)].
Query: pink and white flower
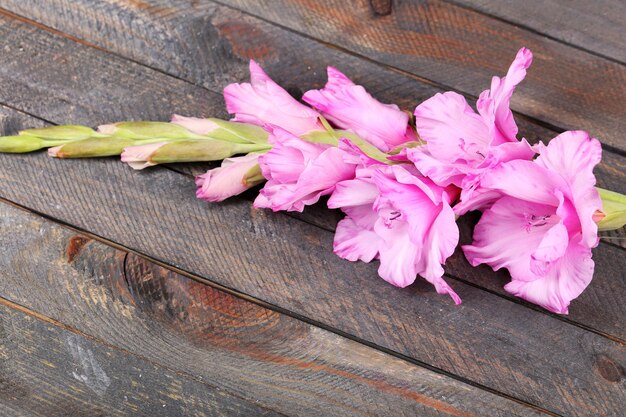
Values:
[(400, 217), (542, 229), (349, 106), (461, 145), (138, 157), (299, 172), (263, 102), (226, 181)]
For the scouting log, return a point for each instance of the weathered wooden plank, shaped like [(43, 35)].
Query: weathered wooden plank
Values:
[(50, 371), (92, 73), (449, 45), (597, 26), (489, 340), (453, 46), (192, 329), (45, 90)]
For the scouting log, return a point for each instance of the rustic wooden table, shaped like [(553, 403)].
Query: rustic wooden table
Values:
[(121, 294)]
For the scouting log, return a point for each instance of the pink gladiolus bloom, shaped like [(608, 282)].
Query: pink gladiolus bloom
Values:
[(400, 217), (138, 157), (349, 106), (542, 229), (462, 145), (218, 184), (299, 172), (196, 125), (263, 102)]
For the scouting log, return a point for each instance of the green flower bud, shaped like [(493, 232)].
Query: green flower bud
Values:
[(237, 132), (149, 130), (20, 144), (253, 177), (613, 214), (92, 147), (65, 132), (201, 150)]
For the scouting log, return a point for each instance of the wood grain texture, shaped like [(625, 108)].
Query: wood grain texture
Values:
[(97, 78), (597, 26), (489, 340), (300, 272), (462, 50), (50, 371), (448, 45), (92, 72), (146, 312)]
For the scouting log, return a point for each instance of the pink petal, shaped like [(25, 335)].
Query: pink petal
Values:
[(551, 248), (221, 183), (525, 180), (262, 101), (398, 254), (300, 172), (439, 245), (442, 173), (494, 103), (508, 233), (350, 106), (354, 192), (561, 284), (288, 157), (573, 155), (409, 196), (451, 129), (194, 124), (357, 240), (138, 156)]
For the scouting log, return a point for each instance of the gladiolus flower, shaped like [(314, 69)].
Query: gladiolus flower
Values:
[(298, 172), (228, 180), (263, 102), (542, 229), (351, 107), (461, 145), (400, 217)]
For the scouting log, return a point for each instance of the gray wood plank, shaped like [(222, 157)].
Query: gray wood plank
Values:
[(49, 371), (436, 42), (287, 263), (68, 82), (215, 347), (597, 26)]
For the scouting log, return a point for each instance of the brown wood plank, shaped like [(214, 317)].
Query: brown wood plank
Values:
[(449, 45), (489, 340), (193, 330), (50, 371), (597, 26)]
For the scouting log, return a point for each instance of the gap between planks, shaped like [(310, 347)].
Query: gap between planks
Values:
[(436, 84), (25, 310), (510, 22)]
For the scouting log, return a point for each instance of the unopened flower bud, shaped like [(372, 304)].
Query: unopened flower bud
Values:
[(613, 209)]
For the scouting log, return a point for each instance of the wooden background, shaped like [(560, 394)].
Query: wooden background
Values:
[(121, 294)]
